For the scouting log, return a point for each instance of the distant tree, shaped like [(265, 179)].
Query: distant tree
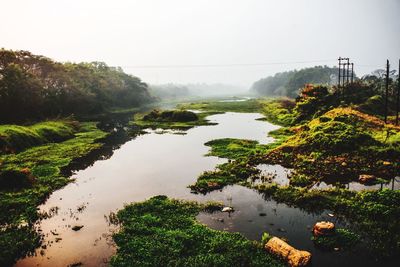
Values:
[(33, 87), (289, 83)]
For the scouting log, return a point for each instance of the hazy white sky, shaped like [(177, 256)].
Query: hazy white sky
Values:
[(137, 34)]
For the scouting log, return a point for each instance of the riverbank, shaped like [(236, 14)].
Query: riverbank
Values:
[(31, 175), (341, 144)]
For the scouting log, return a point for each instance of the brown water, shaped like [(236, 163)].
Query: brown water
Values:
[(154, 164)]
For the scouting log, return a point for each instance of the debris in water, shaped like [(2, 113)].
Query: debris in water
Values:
[(77, 227), (227, 209)]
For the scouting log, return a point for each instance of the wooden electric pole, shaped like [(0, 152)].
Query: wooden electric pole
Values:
[(387, 90), (398, 96), (352, 72)]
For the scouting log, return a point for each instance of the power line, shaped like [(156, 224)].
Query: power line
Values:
[(226, 65)]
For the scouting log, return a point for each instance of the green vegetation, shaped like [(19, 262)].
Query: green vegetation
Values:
[(373, 214), (164, 232), (34, 87), (342, 239), (26, 180), (171, 116), (251, 105), (324, 139), (289, 83), (278, 111), (342, 143), (15, 138), (172, 119), (234, 148), (243, 155)]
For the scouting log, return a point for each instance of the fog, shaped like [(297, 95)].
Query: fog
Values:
[(206, 41)]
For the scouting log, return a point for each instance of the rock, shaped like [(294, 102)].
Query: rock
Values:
[(77, 227), (227, 209), (294, 257), (366, 178), (324, 229)]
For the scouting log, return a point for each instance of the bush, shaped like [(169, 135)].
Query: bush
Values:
[(171, 116), (336, 136)]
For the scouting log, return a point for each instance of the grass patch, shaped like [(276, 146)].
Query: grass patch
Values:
[(172, 119), (243, 156), (278, 111), (42, 165), (247, 106), (15, 138), (164, 232), (234, 148)]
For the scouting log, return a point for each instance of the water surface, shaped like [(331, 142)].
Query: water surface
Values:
[(165, 164)]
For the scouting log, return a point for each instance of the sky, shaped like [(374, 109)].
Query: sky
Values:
[(206, 41)]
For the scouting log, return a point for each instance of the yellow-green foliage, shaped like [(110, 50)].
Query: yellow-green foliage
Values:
[(14, 138), (278, 111), (343, 129)]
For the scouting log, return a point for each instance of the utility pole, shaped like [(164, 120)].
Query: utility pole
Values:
[(398, 96), (352, 72), (340, 64), (348, 69), (387, 90)]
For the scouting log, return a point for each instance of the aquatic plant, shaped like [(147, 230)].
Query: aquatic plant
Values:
[(164, 232)]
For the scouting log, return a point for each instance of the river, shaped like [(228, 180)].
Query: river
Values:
[(165, 164)]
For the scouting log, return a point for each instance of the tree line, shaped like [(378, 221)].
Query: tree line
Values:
[(33, 87), (288, 83)]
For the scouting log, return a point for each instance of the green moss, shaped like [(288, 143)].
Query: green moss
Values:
[(342, 239), (163, 232), (234, 148), (15, 138), (42, 165)]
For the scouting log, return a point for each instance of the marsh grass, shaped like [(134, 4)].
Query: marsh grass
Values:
[(164, 232), (15, 138)]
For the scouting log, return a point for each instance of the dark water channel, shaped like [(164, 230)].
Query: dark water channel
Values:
[(154, 164)]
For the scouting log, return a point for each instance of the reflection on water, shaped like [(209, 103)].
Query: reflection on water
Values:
[(154, 164), (281, 176), (151, 164)]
